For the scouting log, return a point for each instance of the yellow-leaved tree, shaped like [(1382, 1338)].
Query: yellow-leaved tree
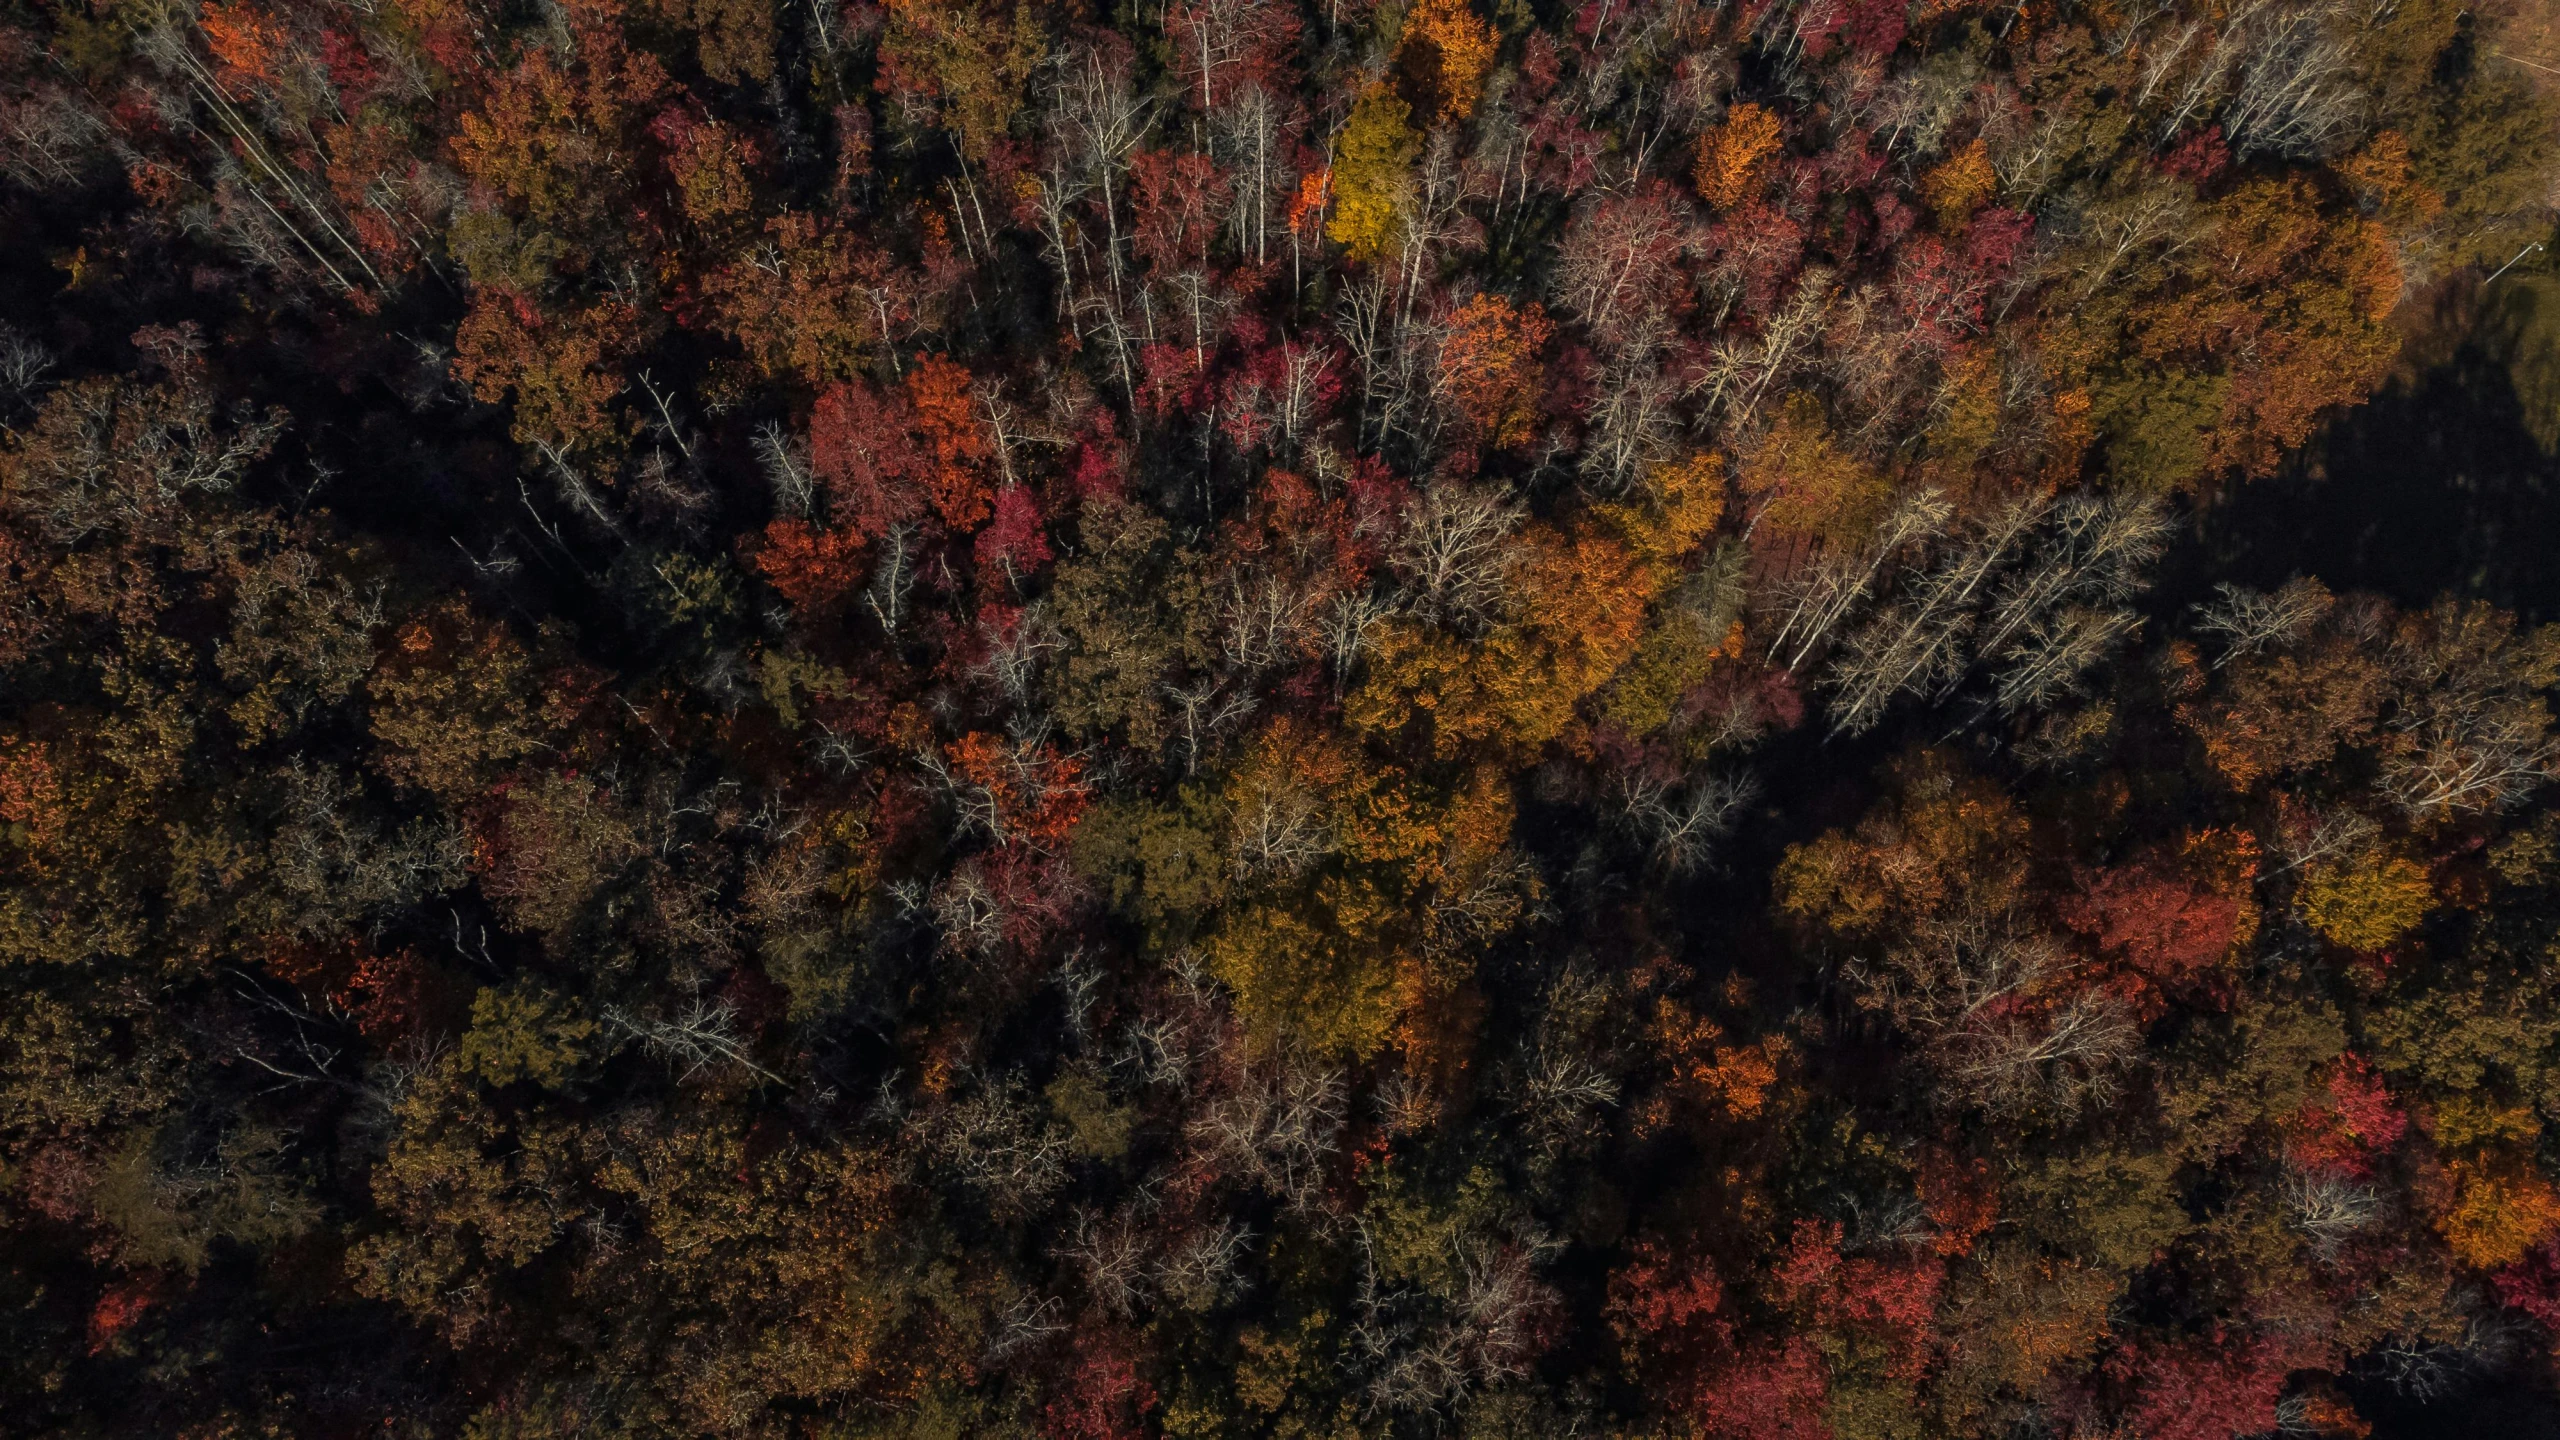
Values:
[(1357, 883), (1371, 165), (1809, 484), (2500, 1210), (2367, 904), (1696, 620), (1960, 185), (1574, 613)]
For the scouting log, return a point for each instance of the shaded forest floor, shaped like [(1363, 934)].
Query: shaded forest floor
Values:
[(2447, 481)]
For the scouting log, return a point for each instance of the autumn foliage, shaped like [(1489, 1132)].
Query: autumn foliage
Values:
[(1248, 718)]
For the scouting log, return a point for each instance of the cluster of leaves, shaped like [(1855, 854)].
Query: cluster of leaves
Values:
[(941, 719)]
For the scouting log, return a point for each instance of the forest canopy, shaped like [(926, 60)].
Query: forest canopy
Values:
[(1250, 718)]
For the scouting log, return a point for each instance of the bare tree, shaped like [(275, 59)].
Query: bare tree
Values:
[(965, 913), (1633, 422), (1916, 643), (2328, 1208), (1248, 131), (1453, 556), (995, 1143), (1559, 1093), (1835, 583), (893, 575), (1895, 1220), (1603, 262), (1265, 619), (2293, 88), (2249, 621), (2475, 730), (1680, 826), (2027, 157), (1296, 401), (2153, 218), (52, 137), (700, 1035), (1405, 1104), (785, 459), (1079, 986), (2063, 1060), (1914, 110), (1816, 596), (1392, 353), (335, 863), (2050, 655), (1471, 1324), (2279, 75), (1741, 370), (1013, 664), (2034, 591), (1117, 1257), (1498, 1301), (1025, 1322), (2329, 834), (1346, 625), (1096, 114), (1206, 1269), (24, 362), (1274, 1123), (1431, 218), (1971, 986), (1156, 1050), (2064, 608), (2095, 553), (2422, 1366), (118, 460), (283, 197), (1280, 833), (1205, 710), (1481, 904), (1063, 188)]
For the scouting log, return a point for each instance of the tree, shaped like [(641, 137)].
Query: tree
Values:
[(2161, 924), (1444, 53), (2219, 1388), (801, 302), (966, 65), (1572, 615), (953, 441), (733, 39), (560, 374), (1808, 484), (1489, 368), (1735, 155), (1371, 164), (1957, 186), (555, 842), (818, 571), (2367, 903), (2502, 1209), (453, 704), (1131, 612)]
